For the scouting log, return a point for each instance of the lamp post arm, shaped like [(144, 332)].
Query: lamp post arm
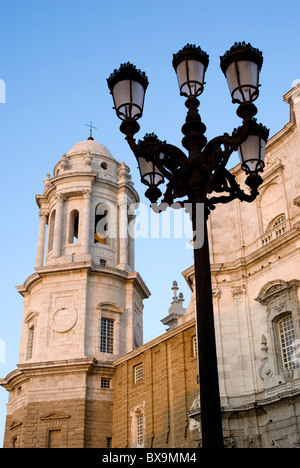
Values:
[(227, 183), (130, 127), (213, 152)]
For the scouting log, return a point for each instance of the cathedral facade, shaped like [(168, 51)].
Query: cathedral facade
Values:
[(86, 379)]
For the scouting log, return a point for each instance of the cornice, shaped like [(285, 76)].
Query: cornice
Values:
[(135, 278), (89, 267), (254, 257), (256, 405), (54, 367), (156, 341), (12, 379), (27, 370)]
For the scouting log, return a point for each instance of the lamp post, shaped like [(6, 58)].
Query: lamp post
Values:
[(201, 177)]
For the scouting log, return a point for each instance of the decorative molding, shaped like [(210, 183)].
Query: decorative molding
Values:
[(216, 293), (32, 314), (110, 306), (15, 424), (64, 318), (273, 289), (54, 416), (237, 291)]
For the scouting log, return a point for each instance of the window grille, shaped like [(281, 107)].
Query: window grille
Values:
[(30, 342), (138, 373), (278, 221), (105, 383), (140, 430), (195, 346), (288, 343), (107, 336), (108, 442)]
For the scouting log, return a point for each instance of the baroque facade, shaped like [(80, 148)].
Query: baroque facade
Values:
[(85, 378)]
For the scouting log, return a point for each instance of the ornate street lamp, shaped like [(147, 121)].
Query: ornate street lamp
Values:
[(128, 86), (199, 177)]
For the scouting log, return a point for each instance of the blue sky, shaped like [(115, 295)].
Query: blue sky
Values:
[(55, 57)]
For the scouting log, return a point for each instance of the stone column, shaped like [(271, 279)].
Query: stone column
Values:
[(86, 221), (41, 240), (123, 234), (58, 225)]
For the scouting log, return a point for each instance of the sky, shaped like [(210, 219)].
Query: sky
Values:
[(55, 57)]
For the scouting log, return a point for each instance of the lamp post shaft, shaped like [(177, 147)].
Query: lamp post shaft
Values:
[(211, 419)]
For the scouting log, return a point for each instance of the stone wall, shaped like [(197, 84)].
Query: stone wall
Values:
[(163, 396)]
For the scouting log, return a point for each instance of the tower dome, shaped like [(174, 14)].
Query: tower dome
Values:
[(88, 155), (90, 146), (86, 207)]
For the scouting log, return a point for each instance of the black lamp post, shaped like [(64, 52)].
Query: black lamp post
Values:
[(201, 177)]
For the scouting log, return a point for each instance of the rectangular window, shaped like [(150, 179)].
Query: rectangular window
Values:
[(54, 438), (288, 343), (15, 442), (140, 430), (107, 336), (138, 373), (108, 442), (105, 383), (195, 346), (30, 342)]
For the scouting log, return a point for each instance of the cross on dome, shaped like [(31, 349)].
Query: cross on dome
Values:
[(90, 125)]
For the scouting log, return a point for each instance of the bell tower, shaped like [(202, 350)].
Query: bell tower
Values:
[(83, 306)]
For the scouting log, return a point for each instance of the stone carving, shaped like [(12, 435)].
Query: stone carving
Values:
[(64, 163), (216, 293), (279, 304), (63, 319), (265, 371), (238, 291), (252, 441), (88, 159), (47, 182)]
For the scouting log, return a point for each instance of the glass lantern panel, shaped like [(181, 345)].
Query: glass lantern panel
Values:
[(145, 167), (149, 172), (121, 94), (190, 77), (158, 177), (137, 95), (129, 98), (243, 86), (252, 152)]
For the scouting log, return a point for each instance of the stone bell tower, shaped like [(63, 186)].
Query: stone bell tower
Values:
[(83, 306)]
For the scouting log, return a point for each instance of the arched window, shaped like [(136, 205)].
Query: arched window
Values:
[(288, 342), (101, 225), (137, 416), (275, 228), (279, 220), (74, 227), (282, 352), (51, 231)]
